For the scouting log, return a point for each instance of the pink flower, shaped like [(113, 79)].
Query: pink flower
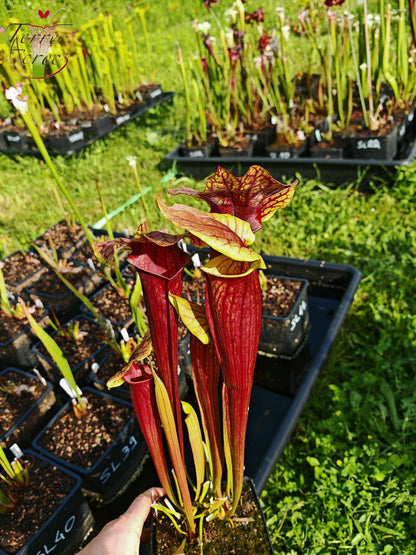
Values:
[(13, 94)]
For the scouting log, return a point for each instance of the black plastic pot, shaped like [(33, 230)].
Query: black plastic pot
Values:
[(17, 350), (17, 140), (151, 93), (96, 127), (80, 370), (67, 141), (64, 301), (284, 336), (112, 472), (26, 277), (121, 118), (286, 151), (203, 151), (65, 530), (373, 146), (34, 418), (236, 151), (242, 539), (261, 139), (74, 238)]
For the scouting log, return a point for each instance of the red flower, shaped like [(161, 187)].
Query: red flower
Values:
[(257, 16), (264, 42), (330, 3), (209, 3)]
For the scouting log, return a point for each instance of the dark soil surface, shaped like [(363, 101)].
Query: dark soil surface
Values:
[(62, 236), (10, 327), (13, 407), (50, 284), (83, 441), (112, 306), (20, 265), (48, 488), (246, 534), (280, 296)]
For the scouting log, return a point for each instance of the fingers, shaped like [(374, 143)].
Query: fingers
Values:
[(139, 510)]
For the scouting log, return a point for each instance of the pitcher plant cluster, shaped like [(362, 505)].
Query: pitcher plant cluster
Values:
[(224, 336), (255, 68), (108, 62)]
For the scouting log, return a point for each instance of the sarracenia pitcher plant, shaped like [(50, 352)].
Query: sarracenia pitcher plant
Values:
[(223, 342)]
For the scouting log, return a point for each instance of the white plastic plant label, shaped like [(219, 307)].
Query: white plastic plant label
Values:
[(68, 389), (125, 334), (39, 375), (196, 260), (95, 367), (16, 451)]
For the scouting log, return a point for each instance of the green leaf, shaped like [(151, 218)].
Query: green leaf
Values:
[(193, 316), (197, 445), (54, 350)]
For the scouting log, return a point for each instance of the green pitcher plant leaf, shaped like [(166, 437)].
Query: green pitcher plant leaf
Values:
[(197, 445), (175, 451), (56, 353)]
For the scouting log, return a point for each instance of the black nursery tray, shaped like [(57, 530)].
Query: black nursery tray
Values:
[(332, 170), (273, 416), (145, 107)]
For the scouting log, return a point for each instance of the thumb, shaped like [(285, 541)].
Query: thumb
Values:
[(138, 511)]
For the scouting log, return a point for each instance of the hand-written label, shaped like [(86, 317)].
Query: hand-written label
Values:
[(369, 144), (196, 154), (296, 319), (283, 155), (115, 465), (79, 136), (61, 535), (155, 93), (122, 119)]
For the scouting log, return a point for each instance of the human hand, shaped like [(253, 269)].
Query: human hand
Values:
[(123, 534)]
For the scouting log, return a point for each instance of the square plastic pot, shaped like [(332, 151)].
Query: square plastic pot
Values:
[(65, 530), (81, 368), (111, 473), (29, 423), (285, 336)]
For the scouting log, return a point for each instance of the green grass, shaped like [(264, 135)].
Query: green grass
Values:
[(346, 482)]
